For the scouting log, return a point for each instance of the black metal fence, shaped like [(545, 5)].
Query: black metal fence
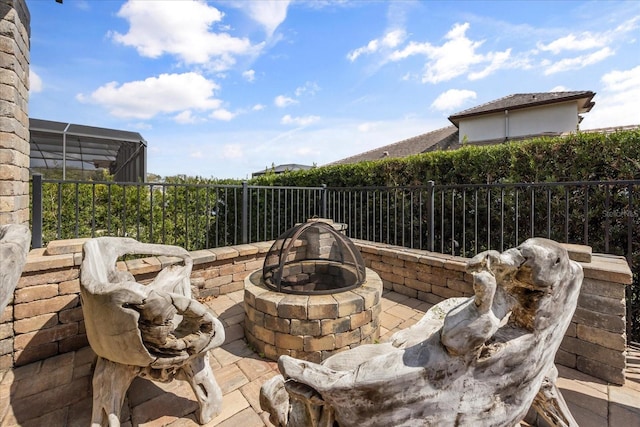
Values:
[(466, 219), (456, 219), (194, 216)]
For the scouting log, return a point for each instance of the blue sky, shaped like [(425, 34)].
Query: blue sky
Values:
[(223, 89)]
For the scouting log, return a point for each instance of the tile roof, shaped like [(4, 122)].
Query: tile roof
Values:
[(439, 139), (290, 167), (527, 100)]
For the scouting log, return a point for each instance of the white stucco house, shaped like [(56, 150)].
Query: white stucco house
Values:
[(513, 117), (523, 115)]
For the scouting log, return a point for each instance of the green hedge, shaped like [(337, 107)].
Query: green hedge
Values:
[(577, 157)]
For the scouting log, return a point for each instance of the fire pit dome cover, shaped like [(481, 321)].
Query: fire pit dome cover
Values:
[(313, 258)]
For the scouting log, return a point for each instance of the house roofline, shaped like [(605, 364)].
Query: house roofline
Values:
[(585, 108)]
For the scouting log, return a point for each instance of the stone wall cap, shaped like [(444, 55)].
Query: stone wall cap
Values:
[(610, 268), (68, 246), (338, 226), (166, 260), (263, 247), (246, 249), (143, 265), (366, 246), (456, 264), (409, 256), (579, 253), (38, 262), (37, 252), (203, 256), (225, 252)]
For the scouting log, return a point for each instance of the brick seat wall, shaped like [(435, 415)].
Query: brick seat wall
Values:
[(46, 319)]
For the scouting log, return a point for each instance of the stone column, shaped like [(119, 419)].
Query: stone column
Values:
[(14, 119)]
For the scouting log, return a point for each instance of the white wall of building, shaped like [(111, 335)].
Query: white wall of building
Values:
[(554, 118)]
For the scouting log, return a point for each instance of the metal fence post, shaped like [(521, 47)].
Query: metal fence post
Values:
[(36, 211), (430, 215), (324, 201), (245, 212)]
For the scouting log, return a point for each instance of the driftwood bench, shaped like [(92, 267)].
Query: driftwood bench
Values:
[(480, 361)]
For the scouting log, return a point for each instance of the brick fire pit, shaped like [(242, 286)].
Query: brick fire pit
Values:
[(310, 327), (313, 296)]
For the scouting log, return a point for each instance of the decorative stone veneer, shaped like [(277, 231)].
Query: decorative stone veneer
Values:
[(310, 327), (14, 119)]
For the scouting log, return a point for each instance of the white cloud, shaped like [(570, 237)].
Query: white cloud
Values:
[(299, 121), (268, 13), (232, 151), (616, 103), (453, 98), (35, 82), (249, 75), (167, 93), (223, 115), (309, 88), (182, 29), (307, 151), (588, 40), (142, 126), (367, 127), (393, 38), (389, 40), (559, 89), (583, 41), (196, 154), (283, 101), (185, 117), (618, 81), (498, 60), (578, 62), (455, 57), (258, 107), (413, 48), (371, 47)]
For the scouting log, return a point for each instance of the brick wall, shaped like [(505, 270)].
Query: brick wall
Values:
[(14, 119), (45, 318)]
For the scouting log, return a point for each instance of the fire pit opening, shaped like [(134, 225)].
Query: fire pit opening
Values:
[(313, 258), (313, 297)]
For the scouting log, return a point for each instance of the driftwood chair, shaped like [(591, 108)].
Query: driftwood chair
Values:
[(157, 331), (480, 361)]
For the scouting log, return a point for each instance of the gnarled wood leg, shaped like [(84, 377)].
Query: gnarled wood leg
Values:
[(110, 384), (200, 376), (550, 404), (274, 399)]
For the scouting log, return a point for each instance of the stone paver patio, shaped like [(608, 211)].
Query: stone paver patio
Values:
[(240, 372)]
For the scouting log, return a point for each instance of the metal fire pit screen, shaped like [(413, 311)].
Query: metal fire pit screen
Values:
[(313, 258)]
